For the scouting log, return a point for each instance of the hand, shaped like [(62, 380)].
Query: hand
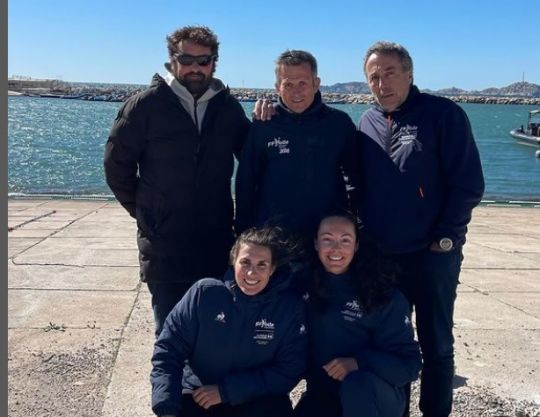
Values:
[(207, 396), (339, 368), (264, 110), (434, 247)]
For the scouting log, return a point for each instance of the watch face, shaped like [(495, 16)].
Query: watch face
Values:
[(446, 243)]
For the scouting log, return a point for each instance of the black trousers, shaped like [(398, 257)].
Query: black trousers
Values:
[(361, 394), (429, 281), (165, 295), (267, 406)]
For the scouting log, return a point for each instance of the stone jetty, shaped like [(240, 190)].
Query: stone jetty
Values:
[(342, 98), (121, 92)]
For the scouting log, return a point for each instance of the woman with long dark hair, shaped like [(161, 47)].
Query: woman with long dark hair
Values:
[(362, 352)]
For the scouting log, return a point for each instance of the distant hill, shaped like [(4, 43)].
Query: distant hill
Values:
[(353, 87), (519, 89)]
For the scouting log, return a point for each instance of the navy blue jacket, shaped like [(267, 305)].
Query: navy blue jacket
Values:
[(249, 346), (381, 341), (291, 168), (421, 173)]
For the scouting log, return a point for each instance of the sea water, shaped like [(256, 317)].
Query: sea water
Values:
[(55, 147)]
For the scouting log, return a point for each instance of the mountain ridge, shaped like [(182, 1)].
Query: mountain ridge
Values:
[(517, 89)]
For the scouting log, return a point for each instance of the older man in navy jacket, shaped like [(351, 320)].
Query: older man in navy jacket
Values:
[(422, 177)]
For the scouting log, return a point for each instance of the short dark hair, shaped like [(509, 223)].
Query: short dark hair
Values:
[(271, 237), (296, 57), (390, 48), (201, 35)]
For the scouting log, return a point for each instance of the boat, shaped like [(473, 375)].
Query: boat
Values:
[(50, 95), (530, 135)]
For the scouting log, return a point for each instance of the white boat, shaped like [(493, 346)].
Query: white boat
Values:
[(531, 135)]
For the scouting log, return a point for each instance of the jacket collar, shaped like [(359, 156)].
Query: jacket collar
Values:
[(182, 92), (279, 282), (414, 94), (314, 108)]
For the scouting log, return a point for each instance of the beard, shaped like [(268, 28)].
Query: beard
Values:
[(196, 83)]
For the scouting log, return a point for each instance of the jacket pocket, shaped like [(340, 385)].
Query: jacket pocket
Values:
[(150, 212)]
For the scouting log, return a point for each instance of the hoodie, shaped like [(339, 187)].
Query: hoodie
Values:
[(291, 170), (381, 341)]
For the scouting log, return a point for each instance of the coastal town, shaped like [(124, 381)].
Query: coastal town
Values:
[(517, 93)]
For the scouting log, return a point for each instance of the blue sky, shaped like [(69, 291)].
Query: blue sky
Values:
[(469, 44)]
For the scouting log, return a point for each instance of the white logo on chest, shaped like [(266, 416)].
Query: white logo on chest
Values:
[(281, 144), (263, 324), (264, 331), (352, 311), (408, 135)]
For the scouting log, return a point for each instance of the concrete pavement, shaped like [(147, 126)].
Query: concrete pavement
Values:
[(75, 298)]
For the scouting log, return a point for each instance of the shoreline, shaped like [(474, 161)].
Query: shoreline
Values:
[(109, 198), (251, 95)]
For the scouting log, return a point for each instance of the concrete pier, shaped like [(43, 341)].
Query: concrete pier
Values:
[(80, 327)]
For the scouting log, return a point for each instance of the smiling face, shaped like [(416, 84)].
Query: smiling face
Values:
[(336, 244), (388, 80), (252, 268), (297, 86)]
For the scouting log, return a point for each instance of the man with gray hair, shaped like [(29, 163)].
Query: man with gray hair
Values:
[(291, 170), (421, 179)]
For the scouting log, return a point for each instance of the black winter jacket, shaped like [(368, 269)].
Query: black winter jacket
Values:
[(175, 181)]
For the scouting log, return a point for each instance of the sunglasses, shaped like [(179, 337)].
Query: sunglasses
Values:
[(202, 60)]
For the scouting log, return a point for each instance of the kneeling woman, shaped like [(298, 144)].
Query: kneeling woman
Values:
[(362, 351), (242, 340)]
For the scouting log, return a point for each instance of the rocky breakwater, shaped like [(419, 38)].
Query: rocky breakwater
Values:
[(348, 98), (244, 94), (534, 101)]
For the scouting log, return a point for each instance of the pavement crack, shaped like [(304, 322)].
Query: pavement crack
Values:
[(10, 229), (121, 337), (46, 264)]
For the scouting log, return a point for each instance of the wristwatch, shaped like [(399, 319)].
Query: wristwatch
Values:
[(446, 244)]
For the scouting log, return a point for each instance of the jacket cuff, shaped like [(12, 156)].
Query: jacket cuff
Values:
[(223, 393), (165, 410)]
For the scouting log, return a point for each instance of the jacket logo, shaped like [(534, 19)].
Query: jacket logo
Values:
[(407, 321), (220, 317), (281, 144), (263, 324), (302, 329), (353, 305), (352, 311), (264, 332), (407, 136)]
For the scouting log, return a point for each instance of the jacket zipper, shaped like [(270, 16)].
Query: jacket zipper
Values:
[(389, 135), (196, 119)]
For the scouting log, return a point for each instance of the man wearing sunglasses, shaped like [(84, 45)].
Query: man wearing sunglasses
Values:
[(169, 161)]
